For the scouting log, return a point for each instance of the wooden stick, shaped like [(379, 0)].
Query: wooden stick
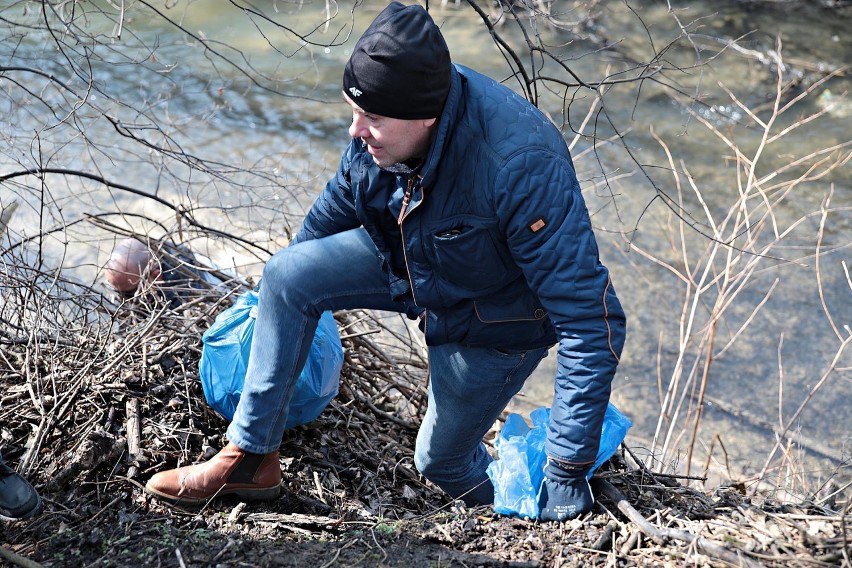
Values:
[(660, 535), (17, 559), (134, 435)]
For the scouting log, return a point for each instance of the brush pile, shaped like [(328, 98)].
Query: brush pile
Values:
[(97, 395)]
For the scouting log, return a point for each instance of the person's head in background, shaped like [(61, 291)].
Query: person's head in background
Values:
[(131, 261)]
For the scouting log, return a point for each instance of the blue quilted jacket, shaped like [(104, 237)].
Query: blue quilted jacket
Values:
[(494, 247)]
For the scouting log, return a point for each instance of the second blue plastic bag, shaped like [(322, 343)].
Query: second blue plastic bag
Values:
[(518, 474), (225, 356)]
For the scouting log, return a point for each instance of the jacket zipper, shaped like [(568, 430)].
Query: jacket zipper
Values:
[(406, 199)]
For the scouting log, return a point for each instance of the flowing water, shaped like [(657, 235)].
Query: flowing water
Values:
[(278, 118)]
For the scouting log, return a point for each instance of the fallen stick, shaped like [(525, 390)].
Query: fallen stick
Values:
[(134, 436), (660, 535), (17, 559)]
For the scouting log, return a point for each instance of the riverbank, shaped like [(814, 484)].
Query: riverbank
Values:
[(100, 396)]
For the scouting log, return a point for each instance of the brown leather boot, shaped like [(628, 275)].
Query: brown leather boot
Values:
[(230, 472)]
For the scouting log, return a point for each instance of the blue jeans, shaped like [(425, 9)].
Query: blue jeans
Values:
[(468, 387)]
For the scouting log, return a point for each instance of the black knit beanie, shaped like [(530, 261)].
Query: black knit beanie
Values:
[(400, 68)]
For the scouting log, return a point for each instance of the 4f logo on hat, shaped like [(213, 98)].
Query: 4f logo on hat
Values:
[(355, 92)]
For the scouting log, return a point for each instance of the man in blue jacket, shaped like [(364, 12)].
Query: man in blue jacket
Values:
[(456, 203)]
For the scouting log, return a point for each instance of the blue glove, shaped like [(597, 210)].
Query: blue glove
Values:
[(565, 493)]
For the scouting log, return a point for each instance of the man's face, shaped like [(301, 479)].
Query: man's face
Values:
[(390, 140)]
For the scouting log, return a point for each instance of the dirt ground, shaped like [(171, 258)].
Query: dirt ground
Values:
[(91, 410), (372, 520)]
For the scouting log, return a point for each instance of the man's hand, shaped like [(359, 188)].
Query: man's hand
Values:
[(565, 493)]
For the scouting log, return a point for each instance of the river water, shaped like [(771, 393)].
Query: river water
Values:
[(252, 125)]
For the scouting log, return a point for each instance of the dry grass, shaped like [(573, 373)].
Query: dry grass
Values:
[(98, 396)]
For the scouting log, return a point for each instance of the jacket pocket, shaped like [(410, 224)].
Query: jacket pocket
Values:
[(520, 308), (469, 253), (512, 319)]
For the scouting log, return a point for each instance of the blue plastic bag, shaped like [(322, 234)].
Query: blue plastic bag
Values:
[(518, 474), (225, 356)]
